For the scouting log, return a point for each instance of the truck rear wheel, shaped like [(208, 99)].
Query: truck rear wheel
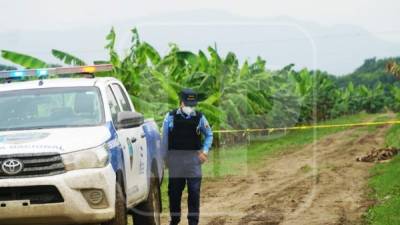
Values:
[(120, 208), (148, 212)]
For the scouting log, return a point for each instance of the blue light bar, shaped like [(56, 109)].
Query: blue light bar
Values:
[(42, 73), (17, 74), (45, 73)]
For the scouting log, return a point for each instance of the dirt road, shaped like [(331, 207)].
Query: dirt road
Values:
[(319, 184)]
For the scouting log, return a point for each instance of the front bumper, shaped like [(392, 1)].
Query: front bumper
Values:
[(74, 209)]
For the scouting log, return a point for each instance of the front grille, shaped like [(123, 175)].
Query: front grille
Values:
[(35, 165), (35, 194)]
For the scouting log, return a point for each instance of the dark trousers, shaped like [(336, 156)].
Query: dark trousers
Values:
[(184, 169)]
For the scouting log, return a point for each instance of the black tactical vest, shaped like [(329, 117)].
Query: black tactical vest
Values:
[(184, 135)]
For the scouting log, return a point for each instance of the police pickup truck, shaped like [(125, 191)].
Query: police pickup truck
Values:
[(73, 150)]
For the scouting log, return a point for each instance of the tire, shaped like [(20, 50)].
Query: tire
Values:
[(148, 212), (120, 208)]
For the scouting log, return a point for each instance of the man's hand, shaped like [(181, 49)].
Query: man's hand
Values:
[(203, 157)]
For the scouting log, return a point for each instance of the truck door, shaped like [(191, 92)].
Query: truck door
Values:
[(135, 141), (128, 139)]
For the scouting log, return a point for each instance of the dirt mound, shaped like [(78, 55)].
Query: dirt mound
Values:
[(262, 216), (217, 221), (367, 139), (379, 155)]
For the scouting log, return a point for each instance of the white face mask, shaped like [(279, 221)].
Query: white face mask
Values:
[(187, 110)]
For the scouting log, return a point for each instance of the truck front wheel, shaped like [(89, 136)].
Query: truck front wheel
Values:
[(120, 208), (148, 212)]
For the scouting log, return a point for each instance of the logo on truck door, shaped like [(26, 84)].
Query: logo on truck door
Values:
[(12, 166), (130, 150)]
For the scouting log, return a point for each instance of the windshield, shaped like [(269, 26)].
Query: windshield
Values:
[(50, 108)]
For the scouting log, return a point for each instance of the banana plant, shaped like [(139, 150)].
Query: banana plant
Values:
[(234, 95), (26, 61), (67, 58), (394, 104), (393, 68)]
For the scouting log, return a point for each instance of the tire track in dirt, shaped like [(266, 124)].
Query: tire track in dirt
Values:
[(289, 190)]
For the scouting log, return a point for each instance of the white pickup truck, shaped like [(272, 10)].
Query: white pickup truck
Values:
[(74, 151)]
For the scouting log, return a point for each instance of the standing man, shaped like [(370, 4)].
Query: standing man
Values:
[(185, 151)]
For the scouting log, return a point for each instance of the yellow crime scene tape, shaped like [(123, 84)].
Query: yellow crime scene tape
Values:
[(308, 127)]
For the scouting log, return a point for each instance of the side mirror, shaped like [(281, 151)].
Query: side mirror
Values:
[(127, 120)]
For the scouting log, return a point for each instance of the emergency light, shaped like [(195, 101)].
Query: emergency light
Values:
[(45, 73)]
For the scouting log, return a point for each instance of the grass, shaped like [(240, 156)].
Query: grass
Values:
[(381, 118), (239, 160), (385, 184)]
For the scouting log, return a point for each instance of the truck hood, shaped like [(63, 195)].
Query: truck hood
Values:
[(60, 140)]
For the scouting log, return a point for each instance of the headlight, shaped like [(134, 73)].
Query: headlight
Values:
[(91, 158)]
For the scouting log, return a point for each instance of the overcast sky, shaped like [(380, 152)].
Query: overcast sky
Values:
[(378, 16), (22, 19)]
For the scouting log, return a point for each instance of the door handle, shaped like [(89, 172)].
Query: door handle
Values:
[(133, 140)]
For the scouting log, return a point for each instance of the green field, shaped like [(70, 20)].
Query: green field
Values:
[(385, 184)]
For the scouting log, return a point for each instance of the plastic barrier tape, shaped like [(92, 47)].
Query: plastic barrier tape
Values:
[(309, 127)]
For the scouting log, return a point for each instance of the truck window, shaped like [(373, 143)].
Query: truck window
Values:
[(50, 108), (112, 103), (121, 97)]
